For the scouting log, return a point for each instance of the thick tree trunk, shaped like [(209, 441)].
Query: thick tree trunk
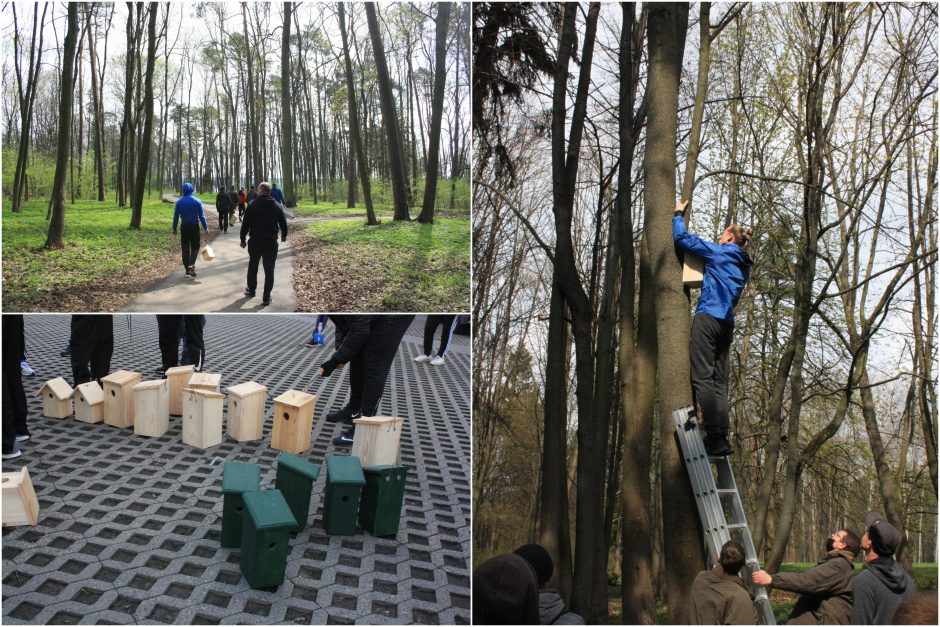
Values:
[(54, 238), (143, 165), (96, 104), (287, 127), (437, 111), (27, 100)]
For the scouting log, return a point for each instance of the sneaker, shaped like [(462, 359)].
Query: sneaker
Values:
[(249, 293), (23, 436), (342, 415), (160, 372), (65, 352), (192, 271), (26, 370), (15, 451), (266, 301), (718, 446), (346, 437), (437, 361), (422, 359)]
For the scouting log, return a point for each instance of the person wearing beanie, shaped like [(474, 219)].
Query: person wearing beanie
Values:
[(883, 584), (826, 589), (552, 608), (719, 596), (505, 592)]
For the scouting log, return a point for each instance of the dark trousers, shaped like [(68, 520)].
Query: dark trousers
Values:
[(430, 327), (223, 219), (92, 344), (14, 407), (241, 210), (263, 249), (708, 353), (189, 238), (168, 327), (369, 368)]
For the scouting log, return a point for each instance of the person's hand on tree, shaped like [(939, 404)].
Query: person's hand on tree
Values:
[(761, 578), (680, 207)]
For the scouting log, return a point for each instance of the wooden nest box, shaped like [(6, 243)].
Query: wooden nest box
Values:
[(56, 398), (202, 418), (693, 270), (205, 381), (376, 440), (89, 402), (119, 398), (293, 421), (20, 506), (152, 408), (178, 376), (246, 411)]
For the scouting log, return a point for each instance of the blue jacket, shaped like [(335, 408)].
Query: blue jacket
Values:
[(727, 268), (277, 195), (189, 209)]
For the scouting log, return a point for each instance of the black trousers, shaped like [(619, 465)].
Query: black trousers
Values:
[(708, 353), (430, 327), (223, 219), (263, 249), (168, 327), (92, 344), (369, 368), (189, 238), (241, 210)]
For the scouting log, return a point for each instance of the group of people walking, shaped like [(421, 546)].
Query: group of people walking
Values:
[(263, 222)]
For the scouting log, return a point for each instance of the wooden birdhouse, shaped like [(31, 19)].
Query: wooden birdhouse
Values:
[(376, 440), (20, 506), (205, 381), (293, 421), (119, 398), (178, 376), (693, 270), (152, 408), (246, 411), (89, 402), (56, 398), (202, 418)]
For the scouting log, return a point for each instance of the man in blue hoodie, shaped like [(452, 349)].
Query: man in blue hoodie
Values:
[(727, 268), (189, 211), (277, 194)]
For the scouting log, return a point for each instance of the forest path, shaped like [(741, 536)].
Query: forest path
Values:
[(220, 283)]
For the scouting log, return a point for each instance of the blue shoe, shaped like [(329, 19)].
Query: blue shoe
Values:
[(346, 437)]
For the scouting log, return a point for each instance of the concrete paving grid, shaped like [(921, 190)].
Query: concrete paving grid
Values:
[(129, 526)]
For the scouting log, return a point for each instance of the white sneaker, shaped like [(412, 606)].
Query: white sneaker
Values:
[(422, 359), (14, 452), (437, 361), (26, 370)]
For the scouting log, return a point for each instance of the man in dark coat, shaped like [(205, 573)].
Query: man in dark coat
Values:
[(719, 596), (883, 584), (826, 589), (263, 219), (223, 206), (14, 396), (505, 592)]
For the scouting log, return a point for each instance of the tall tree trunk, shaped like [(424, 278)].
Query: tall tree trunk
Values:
[(128, 99), (147, 142), (54, 238), (27, 100), (399, 171), (96, 103), (287, 127), (437, 111)]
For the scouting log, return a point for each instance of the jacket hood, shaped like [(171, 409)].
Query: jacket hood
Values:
[(840, 553), (187, 189), (551, 606), (736, 251), (890, 573)]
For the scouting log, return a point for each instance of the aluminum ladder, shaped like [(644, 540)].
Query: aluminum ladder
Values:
[(719, 504)]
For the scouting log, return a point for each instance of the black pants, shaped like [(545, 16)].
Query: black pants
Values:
[(189, 238), (708, 353), (263, 249), (241, 210), (223, 219), (369, 368), (430, 327), (92, 344), (169, 333)]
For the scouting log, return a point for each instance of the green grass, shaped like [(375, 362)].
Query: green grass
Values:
[(332, 201), (338, 210), (98, 245), (418, 267)]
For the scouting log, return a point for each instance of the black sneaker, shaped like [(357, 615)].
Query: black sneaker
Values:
[(346, 437), (266, 301), (718, 446), (65, 352), (192, 271), (342, 415), (249, 293)]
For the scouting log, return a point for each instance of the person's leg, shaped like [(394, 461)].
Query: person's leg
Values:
[(356, 382), (254, 256), (222, 219), (702, 349), (103, 346), (9, 433), (13, 385), (184, 245), (722, 404), (195, 346), (268, 259), (378, 354), (430, 326), (191, 247), (449, 323), (168, 331), (82, 341)]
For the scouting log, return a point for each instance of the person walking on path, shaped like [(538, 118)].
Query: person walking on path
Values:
[(242, 201), (15, 409), (92, 342), (263, 219), (223, 205), (189, 211), (448, 324), (233, 206), (277, 194), (727, 267)]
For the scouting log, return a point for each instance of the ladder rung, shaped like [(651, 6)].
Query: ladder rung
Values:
[(737, 526), (726, 491)]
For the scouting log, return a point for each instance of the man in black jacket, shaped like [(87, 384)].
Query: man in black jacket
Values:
[(263, 218), (368, 344), (14, 396), (883, 584), (223, 205)]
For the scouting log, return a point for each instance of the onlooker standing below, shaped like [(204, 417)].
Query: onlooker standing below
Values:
[(826, 589), (882, 585), (92, 342), (223, 206), (263, 219), (552, 609), (505, 592), (189, 211), (169, 336), (277, 194), (14, 396), (448, 324), (719, 596)]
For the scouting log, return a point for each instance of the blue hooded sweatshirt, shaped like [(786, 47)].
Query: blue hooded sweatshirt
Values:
[(277, 195), (727, 268), (189, 209)]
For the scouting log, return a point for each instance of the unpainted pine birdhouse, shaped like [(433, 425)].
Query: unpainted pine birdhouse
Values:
[(119, 398), (693, 270), (89, 402), (376, 440), (293, 421), (205, 381), (56, 398), (20, 506), (246, 411), (152, 408), (202, 418), (178, 376)]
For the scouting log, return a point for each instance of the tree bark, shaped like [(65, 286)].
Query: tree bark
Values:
[(146, 143), (27, 100), (287, 128), (437, 111), (96, 103)]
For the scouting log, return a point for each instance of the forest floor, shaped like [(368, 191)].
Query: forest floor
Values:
[(395, 266)]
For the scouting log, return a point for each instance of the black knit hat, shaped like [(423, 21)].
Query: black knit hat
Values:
[(505, 592), (540, 560)]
